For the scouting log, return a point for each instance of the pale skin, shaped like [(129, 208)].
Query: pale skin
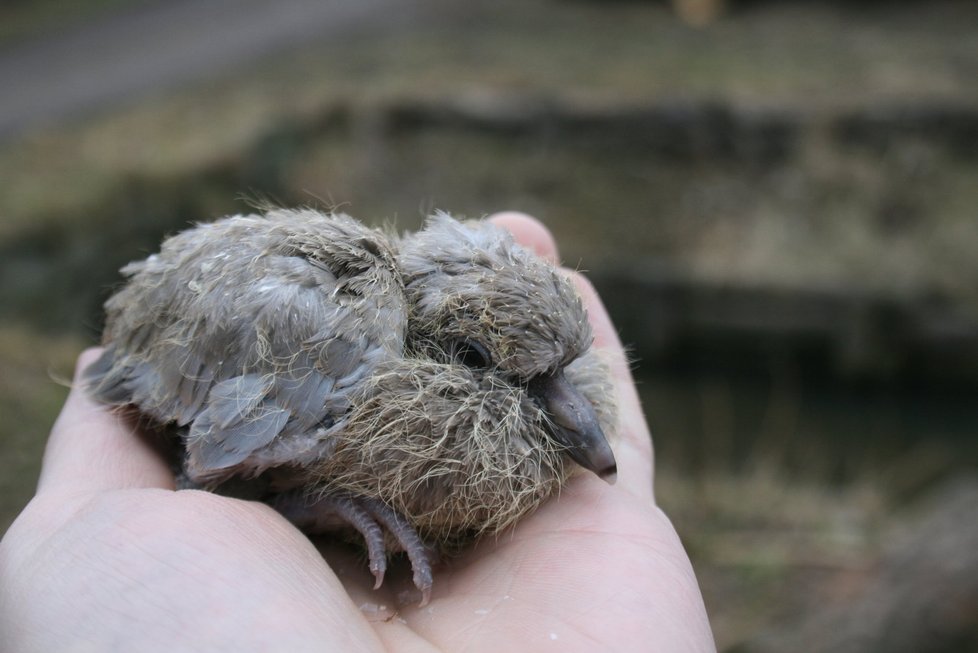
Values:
[(108, 557)]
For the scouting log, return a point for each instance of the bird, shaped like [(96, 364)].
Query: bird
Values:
[(414, 391)]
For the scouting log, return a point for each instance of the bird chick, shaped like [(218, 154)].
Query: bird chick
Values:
[(420, 391)]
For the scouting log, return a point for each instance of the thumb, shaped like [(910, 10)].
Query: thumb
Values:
[(93, 448)]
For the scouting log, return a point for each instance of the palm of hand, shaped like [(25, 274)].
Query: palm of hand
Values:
[(107, 557)]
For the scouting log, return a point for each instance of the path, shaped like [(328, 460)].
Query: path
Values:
[(159, 45)]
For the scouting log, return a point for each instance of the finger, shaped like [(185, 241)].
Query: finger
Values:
[(93, 449), (529, 232), (633, 450)]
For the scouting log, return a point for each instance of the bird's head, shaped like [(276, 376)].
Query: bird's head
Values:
[(479, 300)]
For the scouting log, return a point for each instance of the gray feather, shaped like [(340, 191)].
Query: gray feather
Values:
[(212, 447)]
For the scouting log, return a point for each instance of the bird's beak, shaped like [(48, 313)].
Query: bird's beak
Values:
[(575, 424)]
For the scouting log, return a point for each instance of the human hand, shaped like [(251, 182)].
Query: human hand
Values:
[(108, 557)]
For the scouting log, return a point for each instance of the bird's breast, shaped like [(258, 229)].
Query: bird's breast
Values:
[(457, 453)]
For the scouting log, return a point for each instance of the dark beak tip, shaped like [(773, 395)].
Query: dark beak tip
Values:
[(601, 463), (609, 474)]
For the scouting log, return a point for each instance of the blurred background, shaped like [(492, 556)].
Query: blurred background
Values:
[(777, 201)]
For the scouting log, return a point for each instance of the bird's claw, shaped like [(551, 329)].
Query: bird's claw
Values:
[(410, 542), (369, 517)]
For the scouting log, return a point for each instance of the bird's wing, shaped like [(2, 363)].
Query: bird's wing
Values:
[(254, 333)]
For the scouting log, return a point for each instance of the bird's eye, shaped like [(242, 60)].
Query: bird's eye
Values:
[(470, 353)]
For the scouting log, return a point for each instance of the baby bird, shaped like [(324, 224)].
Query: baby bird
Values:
[(421, 390)]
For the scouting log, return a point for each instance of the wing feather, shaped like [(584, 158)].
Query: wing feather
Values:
[(250, 330)]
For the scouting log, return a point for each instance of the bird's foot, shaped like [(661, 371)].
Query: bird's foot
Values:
[(370, 518)]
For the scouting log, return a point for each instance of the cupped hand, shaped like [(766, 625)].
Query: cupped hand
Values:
[(108, 557)]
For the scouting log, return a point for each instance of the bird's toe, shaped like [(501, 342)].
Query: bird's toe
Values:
[(370, 518), (405, 534)]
